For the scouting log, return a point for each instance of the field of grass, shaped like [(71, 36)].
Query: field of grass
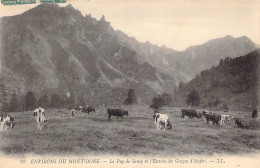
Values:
[(93, 134)]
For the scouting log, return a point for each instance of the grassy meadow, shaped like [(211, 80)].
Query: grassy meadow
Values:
[(93, 134)]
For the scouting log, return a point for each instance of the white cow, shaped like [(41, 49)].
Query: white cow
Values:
[(5, 122), (225, 118), (159, 117), (39, 115)]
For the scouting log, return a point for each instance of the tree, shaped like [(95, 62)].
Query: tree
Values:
[(161, 100), (193, 98), (131, 97), (157, 102), (167, 99), (181, 85), (70, 101), (217, 102), (30, 101), (43, 101), (81, 101), (225, 108), (55, 101), (221, 61), (3, 96), (13, 104)]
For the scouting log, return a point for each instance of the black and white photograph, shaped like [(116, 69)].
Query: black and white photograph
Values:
[(129, 83)]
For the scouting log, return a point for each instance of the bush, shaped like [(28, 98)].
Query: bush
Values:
[(161, 100), (131, 97)]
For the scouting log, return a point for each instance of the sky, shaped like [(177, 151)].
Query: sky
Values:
[(177, 24)]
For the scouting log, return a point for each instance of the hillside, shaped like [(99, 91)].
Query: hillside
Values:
[(51, 49), (204, 56), (55, 49), (232, 82), (184, 65)]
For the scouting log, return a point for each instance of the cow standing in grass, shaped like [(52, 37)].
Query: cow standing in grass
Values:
[(214, 118), (191, 113), (204, 114), (225, 118), (116, 112), (39, 115), (5, 122), (87, 110), (239, 123), (161, 119)]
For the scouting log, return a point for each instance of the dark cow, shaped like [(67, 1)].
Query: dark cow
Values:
[(87, 110), (116, 112), (206, 112), (239, 124), (213, 117), (191, 113), (254, 113)]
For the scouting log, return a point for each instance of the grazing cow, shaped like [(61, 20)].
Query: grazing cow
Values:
[(87, 109), (213, 117), (239, 123), (204, 114), (116, 112), (191, 113), (5, 122), (39, 115), (254, 113), (159, 117), (225, 118)]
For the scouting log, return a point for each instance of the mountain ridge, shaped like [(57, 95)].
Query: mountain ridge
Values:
[(232, 83), (58, 48), (73, 53)]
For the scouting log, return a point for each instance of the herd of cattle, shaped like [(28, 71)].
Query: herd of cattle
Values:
[(217, 119), (160, 119)]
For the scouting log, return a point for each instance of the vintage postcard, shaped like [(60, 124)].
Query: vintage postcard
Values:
[(129, 83)]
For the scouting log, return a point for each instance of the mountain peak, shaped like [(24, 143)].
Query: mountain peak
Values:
[(52, 9), (69, 6), (103, 19), (245, 38), (229, 37), (45, 6)]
